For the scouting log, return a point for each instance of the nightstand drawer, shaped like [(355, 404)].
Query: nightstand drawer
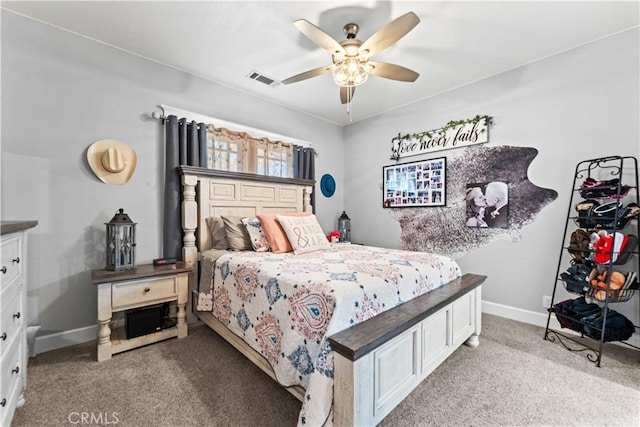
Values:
[(11, 256), (126, 295), (11, 315)]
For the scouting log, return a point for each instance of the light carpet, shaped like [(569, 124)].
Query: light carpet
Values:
[(514, 378)]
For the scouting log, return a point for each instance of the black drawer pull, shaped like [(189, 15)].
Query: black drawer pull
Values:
[(16, 370), (17, 315), (3, 336), (147, 289), (3, 403), (16, 260), (3, 269)]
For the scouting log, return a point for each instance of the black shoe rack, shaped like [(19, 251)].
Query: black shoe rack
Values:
[(599, 262)]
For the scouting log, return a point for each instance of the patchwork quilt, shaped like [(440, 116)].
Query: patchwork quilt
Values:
[(285, 305)]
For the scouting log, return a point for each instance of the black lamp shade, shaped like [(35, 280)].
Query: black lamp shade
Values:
[(121, 242)]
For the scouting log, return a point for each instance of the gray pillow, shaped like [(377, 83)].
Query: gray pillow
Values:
[(237, 234), (217, 232)]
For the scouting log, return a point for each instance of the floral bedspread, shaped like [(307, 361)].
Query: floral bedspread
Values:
[(285, 305)]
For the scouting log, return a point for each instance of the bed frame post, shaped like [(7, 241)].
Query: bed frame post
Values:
[(306, 199), (352, 391), (189, 219), (474, 339)]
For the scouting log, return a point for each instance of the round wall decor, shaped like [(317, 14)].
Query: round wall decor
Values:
[(327, 185)]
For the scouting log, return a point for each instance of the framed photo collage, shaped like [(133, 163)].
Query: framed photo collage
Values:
[(415, 184)]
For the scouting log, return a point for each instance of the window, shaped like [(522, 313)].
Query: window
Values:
[(222, 155), (239, 152), (274, 158)]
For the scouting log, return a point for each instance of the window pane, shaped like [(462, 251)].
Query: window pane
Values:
[(233, 162)]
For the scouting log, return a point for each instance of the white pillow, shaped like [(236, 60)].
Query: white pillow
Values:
[(304, 233)]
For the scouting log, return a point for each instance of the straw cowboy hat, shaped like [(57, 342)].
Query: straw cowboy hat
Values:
[(112, 161)]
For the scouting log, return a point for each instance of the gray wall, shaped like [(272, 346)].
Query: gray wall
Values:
[(62, 92), (577, 105)]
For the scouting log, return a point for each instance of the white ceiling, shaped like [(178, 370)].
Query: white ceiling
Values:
[(456, 42)]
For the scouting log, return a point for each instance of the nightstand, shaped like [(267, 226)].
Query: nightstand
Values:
[(144, 286)]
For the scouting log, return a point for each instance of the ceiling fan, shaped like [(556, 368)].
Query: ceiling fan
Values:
[(351, 64)]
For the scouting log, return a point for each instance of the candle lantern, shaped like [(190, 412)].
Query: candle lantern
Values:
[(121, 242), (344, 227)]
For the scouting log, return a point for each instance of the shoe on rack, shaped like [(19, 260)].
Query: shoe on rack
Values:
[(591, 183), (623, 216), (627, 251), (579, 244), (610, 215), (586, 217), (603, 189)]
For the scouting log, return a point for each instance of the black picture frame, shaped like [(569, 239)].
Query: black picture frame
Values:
[(420, 183)]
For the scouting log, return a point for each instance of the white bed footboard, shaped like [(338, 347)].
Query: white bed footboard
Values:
[(379, 362)]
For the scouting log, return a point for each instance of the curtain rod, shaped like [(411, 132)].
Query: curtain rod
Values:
[(157, 116), (168, 110)]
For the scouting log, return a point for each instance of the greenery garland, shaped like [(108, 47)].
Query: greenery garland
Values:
[(440, 132)]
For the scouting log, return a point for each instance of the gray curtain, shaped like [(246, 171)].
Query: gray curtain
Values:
[(185, 144), (304, 167)]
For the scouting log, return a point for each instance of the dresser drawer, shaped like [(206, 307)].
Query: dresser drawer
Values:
[(11, 256), (11, 314), (11, 373), (130, 294)]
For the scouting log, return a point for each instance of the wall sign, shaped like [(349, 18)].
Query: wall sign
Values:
[(455, 134)]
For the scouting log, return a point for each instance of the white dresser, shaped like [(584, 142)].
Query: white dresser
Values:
[(13, 337)]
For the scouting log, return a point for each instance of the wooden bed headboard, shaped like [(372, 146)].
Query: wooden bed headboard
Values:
[(208, 192)]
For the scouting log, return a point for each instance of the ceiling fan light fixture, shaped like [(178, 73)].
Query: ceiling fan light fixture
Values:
[(350, 72)]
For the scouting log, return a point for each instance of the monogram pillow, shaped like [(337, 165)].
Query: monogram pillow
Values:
[(258, 239), (304, 233)]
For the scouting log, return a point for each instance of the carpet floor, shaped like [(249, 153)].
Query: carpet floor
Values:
[(514, 378)]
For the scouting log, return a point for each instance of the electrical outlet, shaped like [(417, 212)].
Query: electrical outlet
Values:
[(546, 301)]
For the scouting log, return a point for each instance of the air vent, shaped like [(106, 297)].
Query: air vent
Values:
[(254, 75)]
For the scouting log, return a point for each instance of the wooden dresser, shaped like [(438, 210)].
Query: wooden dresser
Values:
[(13, 335)]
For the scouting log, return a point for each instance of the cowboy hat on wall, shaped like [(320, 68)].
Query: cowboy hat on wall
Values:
[(112, 161)]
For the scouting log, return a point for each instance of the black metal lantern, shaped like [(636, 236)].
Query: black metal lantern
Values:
[(344, 227), (121, 242)]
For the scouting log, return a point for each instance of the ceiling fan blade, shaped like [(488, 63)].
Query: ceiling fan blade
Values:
[(318, 36), (390, 33), (393, 72), (346, 93), (307, 74)]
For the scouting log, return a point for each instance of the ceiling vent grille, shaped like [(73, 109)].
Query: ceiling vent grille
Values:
[(254, 75)]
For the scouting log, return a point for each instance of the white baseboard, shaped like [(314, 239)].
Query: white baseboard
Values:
[(538, 319), (90, 333), (526, 316), (65, 338)]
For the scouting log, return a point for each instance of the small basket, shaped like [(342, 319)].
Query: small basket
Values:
[(620, 295)]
